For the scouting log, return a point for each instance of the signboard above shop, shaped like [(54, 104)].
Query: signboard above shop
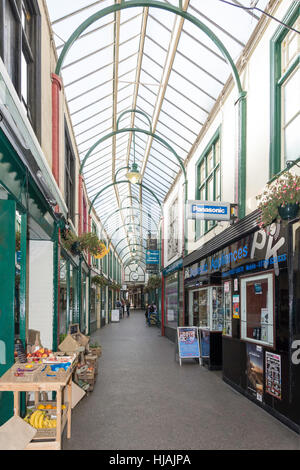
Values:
[(209, 210)]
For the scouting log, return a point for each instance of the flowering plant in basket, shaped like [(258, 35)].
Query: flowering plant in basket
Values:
[(280, 196)]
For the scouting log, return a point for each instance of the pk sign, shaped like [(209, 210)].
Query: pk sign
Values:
[(208, 210)]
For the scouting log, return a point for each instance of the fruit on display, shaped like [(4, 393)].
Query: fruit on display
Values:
[(39, 420), (41, 353)]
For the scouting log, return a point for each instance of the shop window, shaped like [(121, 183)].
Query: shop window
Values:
[(63, 296), (171, 294), (257, 309), (206, 308), (208, 180), (69, 177), (227, 302), (20, 50), (285, 93)]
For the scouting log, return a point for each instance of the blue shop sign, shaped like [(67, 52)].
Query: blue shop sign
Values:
[(206, 210), (257, 251), (152, 257)]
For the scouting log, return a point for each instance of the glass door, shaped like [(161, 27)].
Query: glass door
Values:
[(217, 320), (199, 305), (13, 243)]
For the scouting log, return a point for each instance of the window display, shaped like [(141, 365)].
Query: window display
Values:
[(227, 308), (172, 300), (257, 309), (206, 308)]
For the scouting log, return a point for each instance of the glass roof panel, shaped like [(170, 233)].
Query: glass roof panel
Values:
[(106, 75)]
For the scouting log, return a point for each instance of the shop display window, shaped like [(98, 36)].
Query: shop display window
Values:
[(206, 308), (63, 297), (227, 303), (257, 309), (217, 320), (172, 300)]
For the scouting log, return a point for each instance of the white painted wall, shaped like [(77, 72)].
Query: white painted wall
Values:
[(255, 78), (40, 290)]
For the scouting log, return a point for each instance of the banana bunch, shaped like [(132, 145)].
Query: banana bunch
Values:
[(39, 420)]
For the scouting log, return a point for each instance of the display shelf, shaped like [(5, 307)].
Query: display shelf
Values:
[(59, 383)]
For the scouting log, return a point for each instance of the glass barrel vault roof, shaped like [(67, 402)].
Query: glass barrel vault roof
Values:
[(153, 61)]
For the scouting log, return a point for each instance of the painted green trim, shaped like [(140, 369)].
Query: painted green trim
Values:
[(242, 151), (211, 143), (177, 11), (275, 88), (23, 278), (134, 130), (136, 111), (122, 182), (7, 299), (123, 209), (155, 4)]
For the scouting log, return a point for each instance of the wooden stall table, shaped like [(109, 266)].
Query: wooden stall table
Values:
[(59, 382)]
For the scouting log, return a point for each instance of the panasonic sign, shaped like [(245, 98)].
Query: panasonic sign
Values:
[(207, 210)]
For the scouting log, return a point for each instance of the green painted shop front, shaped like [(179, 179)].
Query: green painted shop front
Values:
[(25, 215)]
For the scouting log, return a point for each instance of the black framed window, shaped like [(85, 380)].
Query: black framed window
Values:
[(20, 49), (69, 177)]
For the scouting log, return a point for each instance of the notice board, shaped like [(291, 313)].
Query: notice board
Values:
[(188, 342)]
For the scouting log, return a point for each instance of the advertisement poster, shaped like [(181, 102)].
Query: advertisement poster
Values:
[(255, 372), (204, 343), (236, 306), (115, 316), (273, 375), (188, 342)]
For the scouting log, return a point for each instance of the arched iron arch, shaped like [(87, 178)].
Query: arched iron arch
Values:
[(241, 190)]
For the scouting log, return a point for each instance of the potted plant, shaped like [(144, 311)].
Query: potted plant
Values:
[(280, 200)]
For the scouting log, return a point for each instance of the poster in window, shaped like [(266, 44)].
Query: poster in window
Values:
[(236, 306), (273, 375), (255, 371)]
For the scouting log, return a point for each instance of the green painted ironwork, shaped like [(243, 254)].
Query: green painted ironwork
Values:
[(134, 130), (124, 209), (135, 111), (275, 88), (122, 182), (203, 27)]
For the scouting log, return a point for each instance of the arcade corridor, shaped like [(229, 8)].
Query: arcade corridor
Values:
[(144, 400)]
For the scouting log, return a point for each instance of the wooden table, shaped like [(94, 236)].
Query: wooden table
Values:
[(41, 383)]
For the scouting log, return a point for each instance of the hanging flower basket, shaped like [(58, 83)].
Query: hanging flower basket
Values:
[(280, 200), (288, 211), (100, 281), (85, 242)]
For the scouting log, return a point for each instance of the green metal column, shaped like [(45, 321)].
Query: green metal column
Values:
[(7, 299)]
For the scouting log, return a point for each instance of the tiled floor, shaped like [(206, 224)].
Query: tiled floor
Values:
[(144, 400)]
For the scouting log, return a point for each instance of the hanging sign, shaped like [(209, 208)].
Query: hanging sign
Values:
[(273, 375), (152, 257), (188, 342), (208, 210)]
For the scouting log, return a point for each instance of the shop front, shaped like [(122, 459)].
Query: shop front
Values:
[(68, 292), (244, 297), (173, 299)]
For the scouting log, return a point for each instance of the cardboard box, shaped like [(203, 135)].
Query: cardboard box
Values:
[(70, 345), (16, 434)]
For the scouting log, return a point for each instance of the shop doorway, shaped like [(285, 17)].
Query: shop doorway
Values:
[(13, 242)]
